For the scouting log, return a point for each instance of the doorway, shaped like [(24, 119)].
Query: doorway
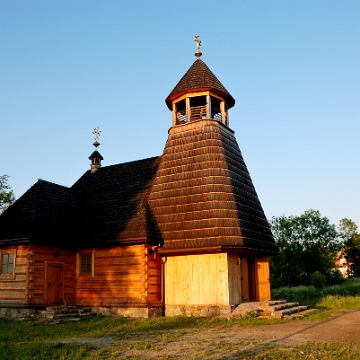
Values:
[(263, 279), (54, 283), (248, 279)]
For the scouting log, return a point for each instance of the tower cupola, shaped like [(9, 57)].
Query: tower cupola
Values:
[(95, 157), (199, 95)]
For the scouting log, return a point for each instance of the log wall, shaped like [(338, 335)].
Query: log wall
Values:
[(121, 276), (39, 259), (13, 287)]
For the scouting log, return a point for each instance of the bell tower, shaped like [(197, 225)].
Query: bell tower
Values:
[(216, 236), (199, 95)]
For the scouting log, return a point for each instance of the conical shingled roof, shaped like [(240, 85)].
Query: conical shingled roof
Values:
[(199, 78), (203, 197)]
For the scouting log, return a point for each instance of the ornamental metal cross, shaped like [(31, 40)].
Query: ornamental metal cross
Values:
[(198, 43), (97, 133)]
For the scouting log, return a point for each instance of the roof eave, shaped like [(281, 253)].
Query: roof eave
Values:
[(230, 101)]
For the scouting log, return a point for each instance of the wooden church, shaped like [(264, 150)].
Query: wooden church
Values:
[(182, 233)]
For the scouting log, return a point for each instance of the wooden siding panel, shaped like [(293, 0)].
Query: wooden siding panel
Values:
[(197, 280), (234, 278)]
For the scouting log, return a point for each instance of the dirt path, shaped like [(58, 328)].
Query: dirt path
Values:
[(227, 342)]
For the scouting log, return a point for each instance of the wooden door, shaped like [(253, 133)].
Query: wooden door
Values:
[(262, 279), (53, 284), (244, 279)]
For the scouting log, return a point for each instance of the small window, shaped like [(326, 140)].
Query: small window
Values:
[(7, 263), (86, 264)]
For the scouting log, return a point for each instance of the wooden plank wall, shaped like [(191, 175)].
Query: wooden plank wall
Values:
[(122, 276), (197, 280), (13, 287), (41, 255), (234, 265)]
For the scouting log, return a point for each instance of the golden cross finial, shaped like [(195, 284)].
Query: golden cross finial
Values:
[(198, 44), (97, 133)]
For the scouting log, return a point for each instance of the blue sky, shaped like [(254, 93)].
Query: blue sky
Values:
[(293, 68)]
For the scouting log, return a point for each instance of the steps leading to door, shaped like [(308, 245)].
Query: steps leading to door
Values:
[(64, 313), (275, 309)]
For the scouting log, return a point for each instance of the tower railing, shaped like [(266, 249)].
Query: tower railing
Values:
[(216, 113), (197, 113), (181, 117)]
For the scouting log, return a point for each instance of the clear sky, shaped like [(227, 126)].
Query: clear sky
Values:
[(292, 66)]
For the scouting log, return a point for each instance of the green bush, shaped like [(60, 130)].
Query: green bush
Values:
[(301, 294), (318, 279)]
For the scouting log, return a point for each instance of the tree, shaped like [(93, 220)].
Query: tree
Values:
[(351, 238), (6, 194), (307, 243)]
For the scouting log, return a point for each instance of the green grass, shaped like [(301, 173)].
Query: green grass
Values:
[(310, 295), (328, 351), (42, 351), (339, 302), (33, 330), (32, 339)]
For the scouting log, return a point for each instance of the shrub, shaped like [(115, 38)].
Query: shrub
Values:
[(302, 294), (318, 279)]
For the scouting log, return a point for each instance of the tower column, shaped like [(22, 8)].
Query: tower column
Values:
[(208, 106), (188, 110), (173, 114)]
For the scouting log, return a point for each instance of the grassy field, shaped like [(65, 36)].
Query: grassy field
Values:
[(310, 295), (168, 338)]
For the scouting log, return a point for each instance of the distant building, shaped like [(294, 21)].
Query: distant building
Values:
[(341, 263)]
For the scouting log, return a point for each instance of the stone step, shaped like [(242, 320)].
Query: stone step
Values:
[(63, 313), (60, 307)]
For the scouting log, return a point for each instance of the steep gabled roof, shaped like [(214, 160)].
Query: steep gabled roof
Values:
[(108, 207), (199, 78), (46, 212), (114, 206)]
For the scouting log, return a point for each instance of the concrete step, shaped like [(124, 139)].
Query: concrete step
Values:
[(271, 302), (269, 310), (295, 309), (300, 314)]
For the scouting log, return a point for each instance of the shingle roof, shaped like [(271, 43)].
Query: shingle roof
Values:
[(203, 196), (114, 204), (96, 154), (107, 207), (199, 78), (46, 211)]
